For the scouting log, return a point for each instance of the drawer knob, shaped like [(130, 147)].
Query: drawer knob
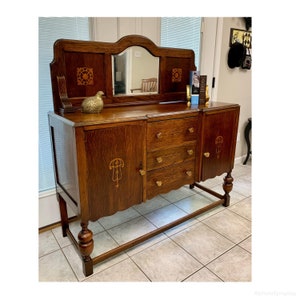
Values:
[(206, 154), (159, 135), (191, 130), (190, 151), (159, 159), (158, 183), (142, 172), (189, 173)]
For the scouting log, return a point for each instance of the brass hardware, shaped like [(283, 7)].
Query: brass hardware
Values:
[(191, 130), (159, 135), (142, 172), (159, 159), (190, 151), (189, 173), (206, 154), (158, 183)]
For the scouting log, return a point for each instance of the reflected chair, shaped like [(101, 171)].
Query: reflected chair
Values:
[(148, 85)]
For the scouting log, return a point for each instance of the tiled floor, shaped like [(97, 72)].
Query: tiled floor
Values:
[(215, 246)]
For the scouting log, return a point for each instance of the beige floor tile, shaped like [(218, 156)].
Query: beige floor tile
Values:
[(243, 186), (247, 244), (234, 265), (203, 275), (165, 215), (243, 208), (148, 243), (54, 267), (62, 241), (174, 196), (118, 218), (131, 230), (193, 203), (102, 243), (240, 170), (166, 261), (151, 205), (121, 272), (229, 224), (181, 227), (47, 243), (210, 212), (202, 242)]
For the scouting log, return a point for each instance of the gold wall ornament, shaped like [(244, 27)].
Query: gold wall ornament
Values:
[(116, 166), (93, 105)]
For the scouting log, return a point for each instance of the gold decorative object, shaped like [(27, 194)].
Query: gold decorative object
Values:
[(188, 95), (93, 105), (206, 96)]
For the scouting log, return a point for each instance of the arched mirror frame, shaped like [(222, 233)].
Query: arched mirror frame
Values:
[(81, 68)]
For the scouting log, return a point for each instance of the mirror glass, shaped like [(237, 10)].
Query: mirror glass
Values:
[(135, 71)]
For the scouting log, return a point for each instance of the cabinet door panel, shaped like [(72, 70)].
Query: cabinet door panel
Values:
[(114, 157), (219, 132)]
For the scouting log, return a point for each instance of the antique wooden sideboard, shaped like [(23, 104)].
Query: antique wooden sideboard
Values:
[(139, 145)]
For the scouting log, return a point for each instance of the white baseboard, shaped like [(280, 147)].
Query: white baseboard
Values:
[(49, 209)]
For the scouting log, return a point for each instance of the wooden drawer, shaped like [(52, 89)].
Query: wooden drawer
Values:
[(166, 157), (166, 179), (174, 132)]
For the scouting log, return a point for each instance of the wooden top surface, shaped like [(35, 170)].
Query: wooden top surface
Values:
[(140, 112)]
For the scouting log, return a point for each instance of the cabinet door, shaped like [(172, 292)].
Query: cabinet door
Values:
[(115, 156), (219, 132)]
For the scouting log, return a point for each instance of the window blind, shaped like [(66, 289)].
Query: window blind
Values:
[(182, 32), (51, 29)]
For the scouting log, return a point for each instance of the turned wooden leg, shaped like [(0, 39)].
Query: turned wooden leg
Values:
[(227, 187), (86, 246), (63, 214)]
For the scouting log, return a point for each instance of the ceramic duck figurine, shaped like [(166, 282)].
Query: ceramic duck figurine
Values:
[(94, 104)]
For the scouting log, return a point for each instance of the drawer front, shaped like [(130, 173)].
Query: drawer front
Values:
[(166, 179), (166, 157), (163, 134)]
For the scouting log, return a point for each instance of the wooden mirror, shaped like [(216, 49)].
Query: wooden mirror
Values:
[(82, 68)]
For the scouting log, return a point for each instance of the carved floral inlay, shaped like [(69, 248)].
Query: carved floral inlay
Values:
[(116, 166), (219, 145), (176, 74), (85, 76)]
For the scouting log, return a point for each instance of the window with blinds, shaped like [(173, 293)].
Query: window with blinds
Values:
[(182, 32), (51, 29)]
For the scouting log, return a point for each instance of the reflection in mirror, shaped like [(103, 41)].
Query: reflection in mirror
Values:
[(135, 71)]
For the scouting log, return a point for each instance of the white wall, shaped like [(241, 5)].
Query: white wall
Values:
[(111, 29), (233, 85)]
